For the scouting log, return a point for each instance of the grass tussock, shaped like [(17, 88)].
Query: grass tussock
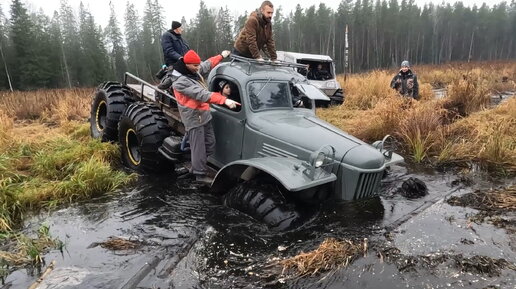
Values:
[(469, 93), (502, 200), (463, 127), (331, 255), (116, 244), (25, 250), (50, 160), (488, 137)]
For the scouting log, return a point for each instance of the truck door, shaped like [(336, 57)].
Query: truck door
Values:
[(229, 131)]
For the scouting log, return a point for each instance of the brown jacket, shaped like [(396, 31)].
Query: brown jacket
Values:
[(254, 36)]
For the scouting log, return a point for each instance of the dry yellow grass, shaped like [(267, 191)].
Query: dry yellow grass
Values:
[(364, 91), (52, 105), (500, 75), (332, 254), (41, 109), (487, 136), (500, 200), (459, 128)]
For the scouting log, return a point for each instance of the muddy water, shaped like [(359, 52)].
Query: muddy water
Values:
[(192, 241)]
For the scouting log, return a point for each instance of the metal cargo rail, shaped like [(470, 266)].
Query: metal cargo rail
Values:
[(149, 92)]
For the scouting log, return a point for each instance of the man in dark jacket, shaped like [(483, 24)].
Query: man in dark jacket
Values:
[(174, 46), (256, 34), (405, 82), (193, 99)]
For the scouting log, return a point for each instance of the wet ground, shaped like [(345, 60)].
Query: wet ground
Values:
[(189, 240)]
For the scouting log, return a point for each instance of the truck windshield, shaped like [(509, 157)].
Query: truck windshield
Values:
[(267, 95)]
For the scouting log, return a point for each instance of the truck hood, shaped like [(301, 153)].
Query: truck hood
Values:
[(301, 128)]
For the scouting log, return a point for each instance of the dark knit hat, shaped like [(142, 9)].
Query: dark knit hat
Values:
[(191, 57), (222, 83), (175, 25), (405, 63)]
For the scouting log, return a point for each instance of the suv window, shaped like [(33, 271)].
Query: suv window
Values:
[(267, 95)]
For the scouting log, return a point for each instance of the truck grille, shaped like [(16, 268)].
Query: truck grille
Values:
[(368, 185)]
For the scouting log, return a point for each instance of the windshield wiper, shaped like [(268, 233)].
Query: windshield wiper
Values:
[(268, 80)]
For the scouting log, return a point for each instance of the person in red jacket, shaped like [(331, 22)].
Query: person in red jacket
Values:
[(193, 99)]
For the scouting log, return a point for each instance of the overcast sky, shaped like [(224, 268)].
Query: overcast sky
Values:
[(175, 9)]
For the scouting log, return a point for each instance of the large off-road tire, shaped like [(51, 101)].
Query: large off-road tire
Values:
[(109, 102), (141, 131), (265, 203)]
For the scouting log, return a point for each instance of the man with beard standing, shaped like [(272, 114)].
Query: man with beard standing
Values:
[(256, 34)]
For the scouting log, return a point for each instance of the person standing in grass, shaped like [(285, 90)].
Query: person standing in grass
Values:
[(405, 82)]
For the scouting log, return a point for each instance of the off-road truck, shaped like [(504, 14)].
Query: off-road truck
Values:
[(327, 84), (269, 154)]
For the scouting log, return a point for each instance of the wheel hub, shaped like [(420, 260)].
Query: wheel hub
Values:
[(101, 115), (132, 147)]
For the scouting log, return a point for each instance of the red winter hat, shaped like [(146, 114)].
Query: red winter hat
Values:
[(191, 57)]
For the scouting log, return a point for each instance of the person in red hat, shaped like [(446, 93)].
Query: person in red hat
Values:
[(193, 99)]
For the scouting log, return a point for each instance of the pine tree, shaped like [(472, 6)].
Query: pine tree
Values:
[(45, 69), (133, 32), (25, 66), (204, 31), (71, 46), (94, 60), (153, 27), (224, 30), (116, 48), (5, 77)]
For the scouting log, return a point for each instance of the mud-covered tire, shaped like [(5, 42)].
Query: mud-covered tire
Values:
[(141, 131), (265, 203), (413, 188), (108, 104)]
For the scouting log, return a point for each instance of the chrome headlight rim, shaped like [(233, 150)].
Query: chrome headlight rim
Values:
[(323, 156)]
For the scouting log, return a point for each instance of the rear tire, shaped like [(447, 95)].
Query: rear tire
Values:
[(109, 102), (265, 203), (141, 131)]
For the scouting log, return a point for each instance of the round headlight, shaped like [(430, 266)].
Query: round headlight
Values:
[(330, 84), (319, 160)]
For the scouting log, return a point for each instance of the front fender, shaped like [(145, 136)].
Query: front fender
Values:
[(288, 172)]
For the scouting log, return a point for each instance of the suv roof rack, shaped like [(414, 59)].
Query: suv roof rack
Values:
[(252, 62)]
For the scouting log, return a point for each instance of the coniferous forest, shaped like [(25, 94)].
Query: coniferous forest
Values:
[(69, 49)]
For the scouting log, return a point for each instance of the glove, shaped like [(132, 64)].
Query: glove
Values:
[(225, 53), (231, 103)]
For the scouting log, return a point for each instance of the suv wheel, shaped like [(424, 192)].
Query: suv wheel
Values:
[(141, 131), (265, 203), (109, 102), (337, 98)]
